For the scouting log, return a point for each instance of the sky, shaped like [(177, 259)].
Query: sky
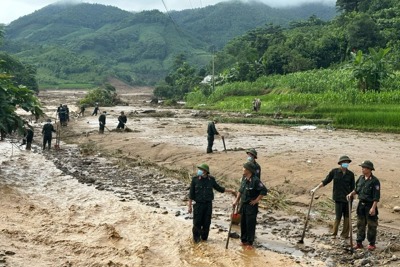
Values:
[(13, 9)]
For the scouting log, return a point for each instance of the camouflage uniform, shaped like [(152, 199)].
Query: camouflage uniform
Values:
[(368, 191)]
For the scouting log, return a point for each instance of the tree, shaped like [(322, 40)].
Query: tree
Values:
[(363, 33), (352, 5), (370, 70), (12, 97)]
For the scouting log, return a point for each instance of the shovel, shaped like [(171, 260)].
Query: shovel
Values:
[(301, 241), (350, 227), (230, 228), (223, 142)]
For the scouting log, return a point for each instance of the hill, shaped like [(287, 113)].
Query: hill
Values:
[(85, 43)]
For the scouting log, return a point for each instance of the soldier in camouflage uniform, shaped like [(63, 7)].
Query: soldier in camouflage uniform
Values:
[(368, 189)]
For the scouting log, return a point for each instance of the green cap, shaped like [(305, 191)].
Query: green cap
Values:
[(252, 151), (250, 166), (367, 164), (204, 167), (344, 158)]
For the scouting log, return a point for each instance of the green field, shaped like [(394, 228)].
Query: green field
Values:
[(318, 97)]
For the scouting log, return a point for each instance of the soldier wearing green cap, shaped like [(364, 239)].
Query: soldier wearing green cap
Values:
[(343, 183), (251, 157), (211, 132), (368, 189), (251, 191), (201, 191)]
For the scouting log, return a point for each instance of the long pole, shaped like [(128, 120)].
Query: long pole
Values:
[(301, 241), (230, 228), (350, 227)]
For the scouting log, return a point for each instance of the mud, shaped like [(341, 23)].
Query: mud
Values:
[(119, 199)]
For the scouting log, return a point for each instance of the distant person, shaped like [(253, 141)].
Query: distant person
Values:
[(47, 131), (28, 136), (211, 132), (102, 122), (82, 111), (201, 192), (343, 183), (256, 104), (62, 114), (368, 189), (122, 119), (251, 191), (59, 109), (96, 110), (66, 113)]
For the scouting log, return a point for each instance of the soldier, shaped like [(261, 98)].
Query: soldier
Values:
[(47, 131), (250, 193), (82, 111), (251, 157), (201, 191), (343, 183), (211, 132), (368, 189), (122, 121), (96, 109), (102, 122), (29, 136)]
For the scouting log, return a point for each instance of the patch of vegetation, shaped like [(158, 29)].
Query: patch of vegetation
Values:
[(104, 96)]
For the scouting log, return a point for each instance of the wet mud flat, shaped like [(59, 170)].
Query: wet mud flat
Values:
[(137, 180)]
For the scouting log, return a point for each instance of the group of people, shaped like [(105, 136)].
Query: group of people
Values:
[(251, 191), (122, 120), (345, 187), (248, 197), (63, 114)]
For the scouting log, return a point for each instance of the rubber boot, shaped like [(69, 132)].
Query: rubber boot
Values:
[(335, 228), (346, 228)]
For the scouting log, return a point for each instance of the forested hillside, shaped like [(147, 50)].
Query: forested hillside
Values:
[(74, 45)]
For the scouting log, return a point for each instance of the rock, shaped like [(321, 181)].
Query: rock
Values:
[(396, 209), (178, 213), (164, 212), (10, 253)]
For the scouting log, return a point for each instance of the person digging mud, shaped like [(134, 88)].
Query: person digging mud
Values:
[(122, 121), (47, 131), (251, 157), (201, 191), (82, 111), (211, 132), (102, 122), (343, 183), (368, 190), (251, 191)]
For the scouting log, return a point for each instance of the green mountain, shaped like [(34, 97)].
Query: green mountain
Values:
[(220, 23), (86, 43)]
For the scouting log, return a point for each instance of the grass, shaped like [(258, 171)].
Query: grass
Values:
[(311, 97)]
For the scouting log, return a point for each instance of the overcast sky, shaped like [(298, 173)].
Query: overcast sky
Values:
[(13, 9)]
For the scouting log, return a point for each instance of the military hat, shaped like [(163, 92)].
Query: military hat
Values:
[(344, 158), (367, 164), (204, 167), (250, 166), (252, 151), (48, 120)]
